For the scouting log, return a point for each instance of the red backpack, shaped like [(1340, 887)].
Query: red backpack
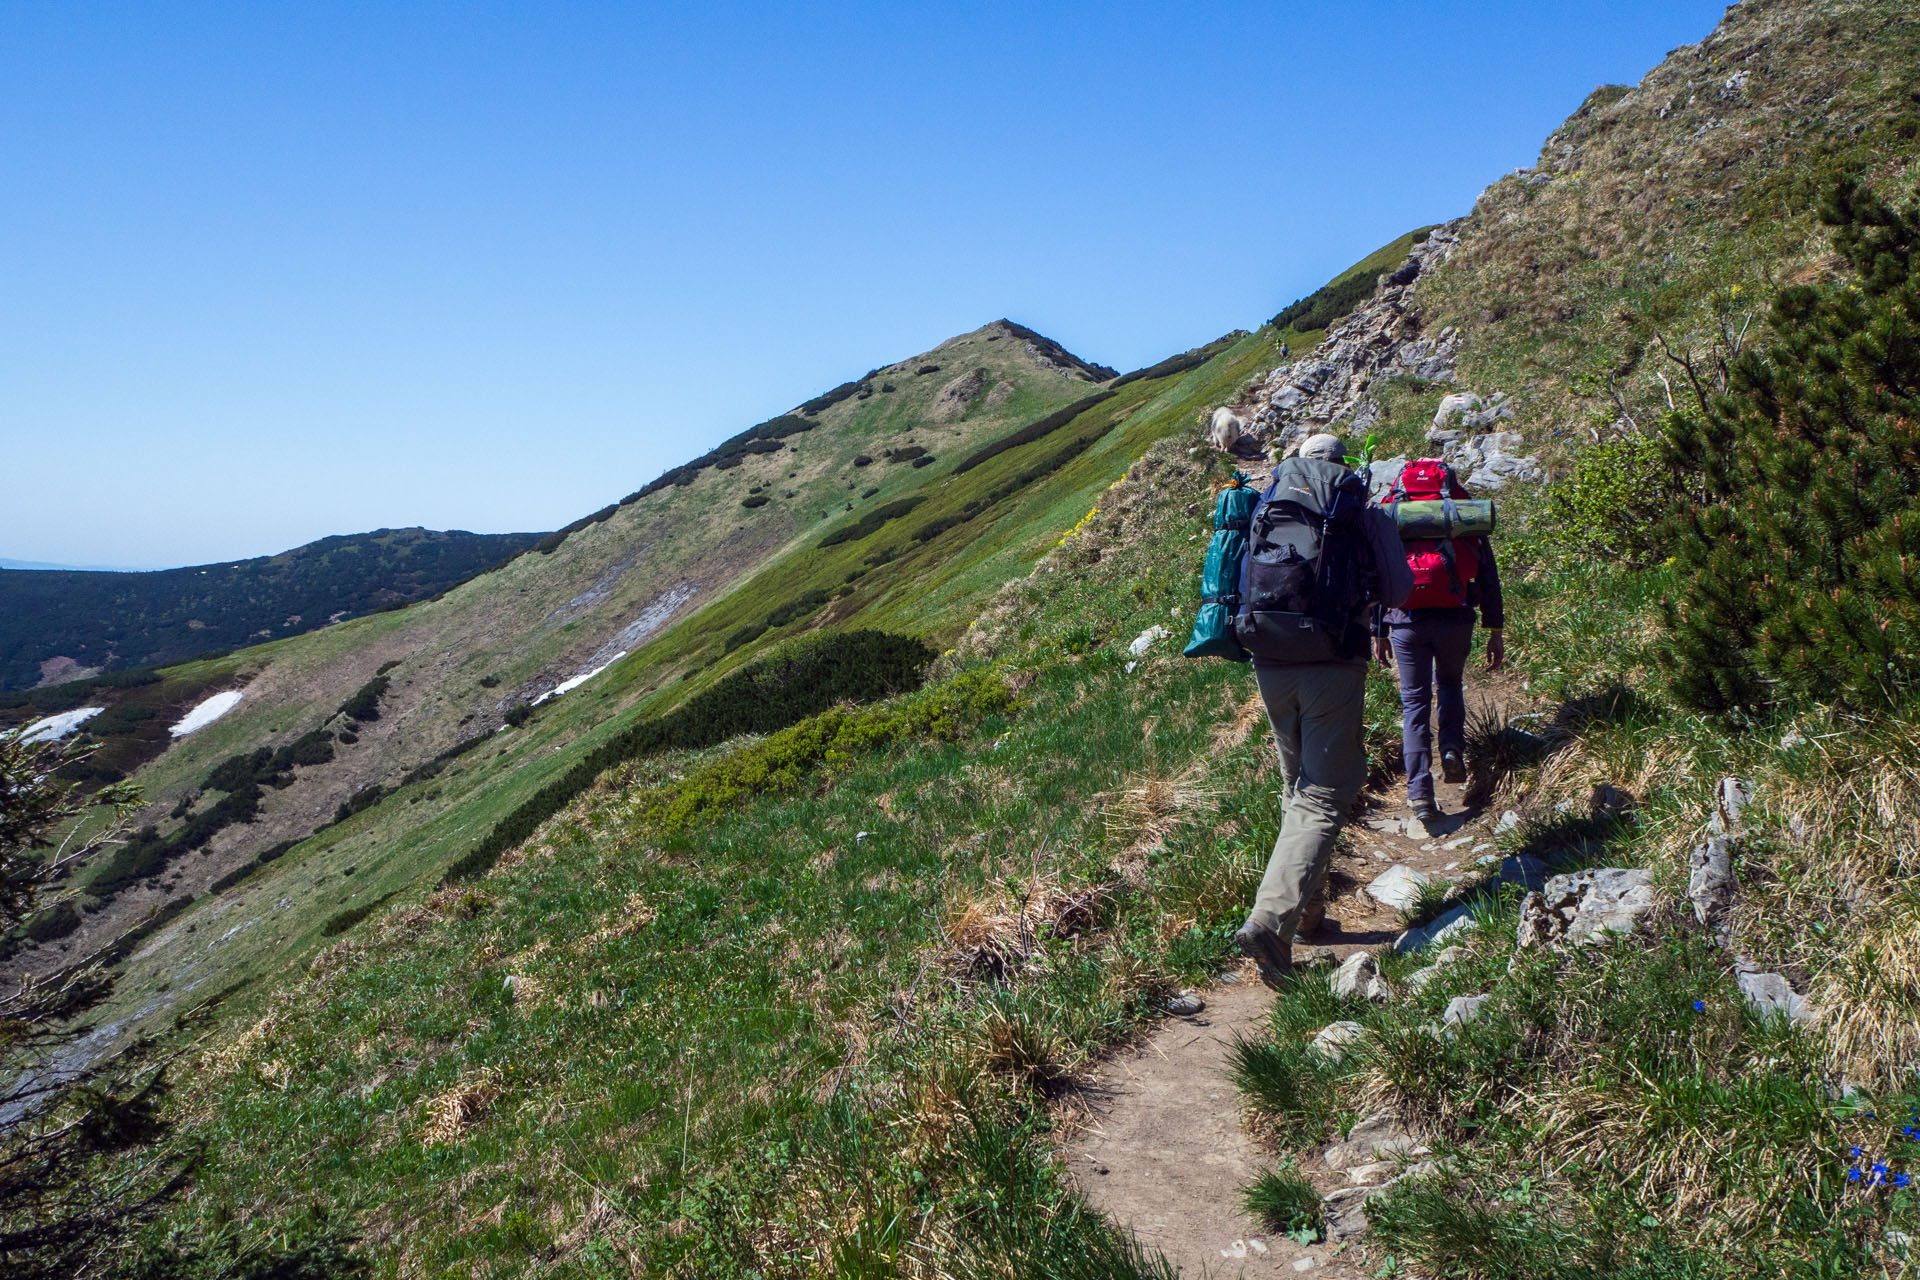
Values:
[(1442, 567)]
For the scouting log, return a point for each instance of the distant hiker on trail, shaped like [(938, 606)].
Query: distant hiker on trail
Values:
[(1429, 636), (1318, 556)]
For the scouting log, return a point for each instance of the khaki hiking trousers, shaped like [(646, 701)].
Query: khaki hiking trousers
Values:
[(1316, 713)]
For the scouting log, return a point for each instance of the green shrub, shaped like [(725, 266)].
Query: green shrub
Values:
[(1613, 505), (863, 460), (1177, 364), (54, 923), (780, 763), (365, 798), (1794, 567), (926, 369), (754, 500), (342, 921), (870, 522), (1321, 308), (796, 681), (925, 460), (744, 635), (364, 706), (518, 714), (1031, 432), (551, 543)]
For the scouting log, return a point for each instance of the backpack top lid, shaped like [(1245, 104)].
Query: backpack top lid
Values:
[(1308, 482), (1424, 480)]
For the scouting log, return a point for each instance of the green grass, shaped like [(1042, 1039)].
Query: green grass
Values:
[(704, 1029), (1286, 1202)]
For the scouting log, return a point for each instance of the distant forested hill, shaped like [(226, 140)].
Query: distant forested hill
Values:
[(111, 621)]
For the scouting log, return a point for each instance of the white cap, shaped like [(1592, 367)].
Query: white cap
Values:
[(1325, 446)]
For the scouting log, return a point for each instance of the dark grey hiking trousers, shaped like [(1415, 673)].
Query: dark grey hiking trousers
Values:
[(1318, 726), (1432, 657)]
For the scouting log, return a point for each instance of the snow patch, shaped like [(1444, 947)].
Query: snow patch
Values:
[(54, 728), (206, 713), (574, 682)]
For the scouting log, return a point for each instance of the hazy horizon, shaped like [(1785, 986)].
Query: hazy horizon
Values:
[(275, 275)]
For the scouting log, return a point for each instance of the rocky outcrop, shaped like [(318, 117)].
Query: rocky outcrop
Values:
[(1382, 338), (1491, 461), (1585, 906), (958, 396)]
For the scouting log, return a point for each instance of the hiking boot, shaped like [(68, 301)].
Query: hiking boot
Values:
[(1313, 917), (1273, 957), (1427, 812), (1453, 768)]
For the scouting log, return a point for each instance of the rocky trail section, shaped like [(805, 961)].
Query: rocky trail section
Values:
[(1163, 1152), (1331, 387)]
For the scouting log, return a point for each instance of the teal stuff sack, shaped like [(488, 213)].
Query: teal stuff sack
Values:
[(1213, 635)]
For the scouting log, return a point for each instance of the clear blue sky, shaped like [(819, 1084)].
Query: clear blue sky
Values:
[(269, 272)]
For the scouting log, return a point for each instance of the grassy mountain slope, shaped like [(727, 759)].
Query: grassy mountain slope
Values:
[(113, 621), (934, 565), (798, 1005)]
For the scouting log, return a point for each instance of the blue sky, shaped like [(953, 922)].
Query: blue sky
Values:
[(273, 272)]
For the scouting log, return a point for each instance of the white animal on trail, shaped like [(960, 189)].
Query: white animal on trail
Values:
[(1225, 430)]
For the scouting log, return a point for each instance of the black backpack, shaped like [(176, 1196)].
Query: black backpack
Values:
[(1307, 577)]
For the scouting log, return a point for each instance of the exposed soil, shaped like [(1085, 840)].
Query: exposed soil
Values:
[(1163, 1150)]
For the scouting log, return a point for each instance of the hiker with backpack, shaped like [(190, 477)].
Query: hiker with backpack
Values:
[(1318, 558), (1429, 635)]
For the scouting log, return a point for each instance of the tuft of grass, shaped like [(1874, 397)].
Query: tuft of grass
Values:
[(1285, 1201)]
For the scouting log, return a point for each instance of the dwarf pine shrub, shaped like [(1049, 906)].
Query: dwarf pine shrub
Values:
[(1798, 560)]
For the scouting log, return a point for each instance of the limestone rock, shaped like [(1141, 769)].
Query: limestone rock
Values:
[(1613, 901), (1472, 412), (1731, 799), (1146, 640), (1462, 1010), (1347, 1212), (1584, 906), (1186, 1004), (1454, 921), (1371, 1174), (1377, 1137), (1418, 981), (1399, 887), (1333, 1040), (1493, 460), (1358, 978), (1770, 996), (958, 395), (1710, 881)]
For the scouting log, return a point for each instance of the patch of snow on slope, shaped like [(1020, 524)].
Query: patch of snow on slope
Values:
[(206, 713), (569, 685), (54, 728)]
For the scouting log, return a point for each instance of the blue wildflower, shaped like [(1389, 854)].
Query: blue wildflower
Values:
[(1699, 1006), (1902, 1179), (1853, 1175), (1855, 1152)]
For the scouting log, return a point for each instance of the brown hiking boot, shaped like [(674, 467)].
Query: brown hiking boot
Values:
[(1453, 768), (1273, 957), (1313, 917)]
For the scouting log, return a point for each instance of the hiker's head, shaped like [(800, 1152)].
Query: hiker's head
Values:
[(1326, 446)]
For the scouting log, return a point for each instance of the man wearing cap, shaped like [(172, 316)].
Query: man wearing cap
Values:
[(1315, 709)]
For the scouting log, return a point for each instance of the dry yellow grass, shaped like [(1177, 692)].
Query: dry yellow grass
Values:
[(452, 1113)]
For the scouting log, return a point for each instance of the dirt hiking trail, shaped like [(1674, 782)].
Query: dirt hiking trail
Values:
[(1163, 1151)]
